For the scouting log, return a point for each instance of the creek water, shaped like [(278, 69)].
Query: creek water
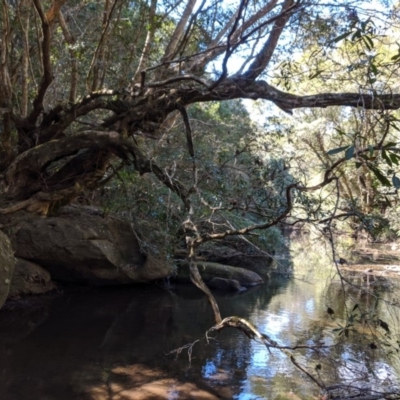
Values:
[(113, 343)]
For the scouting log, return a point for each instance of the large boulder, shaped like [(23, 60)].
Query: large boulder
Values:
[(226, 285), (209, 270), (83, 246), (30, 278), (256, 261), (7, 264)]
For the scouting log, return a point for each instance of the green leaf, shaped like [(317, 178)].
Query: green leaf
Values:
[(341, 133), (390, 144), (368, 42), (374, 69), (356, 35), (341, 37), (349, 153), (396, 57), (381, 178), (316, 74), (386, 158), (396, 181), (337, 150), (355, 307), (394, 158), (393, 125)]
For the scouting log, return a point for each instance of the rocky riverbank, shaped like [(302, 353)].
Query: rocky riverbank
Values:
[(81, 245)]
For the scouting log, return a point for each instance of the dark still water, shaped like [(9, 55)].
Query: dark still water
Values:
[(113, 343)]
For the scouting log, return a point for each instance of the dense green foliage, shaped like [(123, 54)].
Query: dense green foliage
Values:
[(238, 183)]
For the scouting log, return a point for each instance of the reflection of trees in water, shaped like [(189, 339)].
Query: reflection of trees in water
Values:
[(117, 340), (366, 352)]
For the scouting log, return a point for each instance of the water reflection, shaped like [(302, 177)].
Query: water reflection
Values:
[(112, 344)]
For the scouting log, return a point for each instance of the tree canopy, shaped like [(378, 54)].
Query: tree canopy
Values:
[(84, 84)]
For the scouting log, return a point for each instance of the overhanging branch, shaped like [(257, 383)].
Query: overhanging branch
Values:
[(248, 89), (34, 161)]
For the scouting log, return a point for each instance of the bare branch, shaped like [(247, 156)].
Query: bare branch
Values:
[(253, 333), (188, 130), (242, 88), (39, 157), (23, 17), (229, 49), (99, 53), (214, 49), (265, 55), (178, 78), (176, 36), (6, 146), (197, 280), (144, 57), (47, 77), (74, 62), (186, 36), (54, 10)]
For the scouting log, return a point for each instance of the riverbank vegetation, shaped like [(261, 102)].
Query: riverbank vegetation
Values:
[(143, 109)]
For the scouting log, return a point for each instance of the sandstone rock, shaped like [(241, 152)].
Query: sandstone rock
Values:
[(30, 278), (209, 270), (229, 285), (84, 247), (257, 262), (7, 264)]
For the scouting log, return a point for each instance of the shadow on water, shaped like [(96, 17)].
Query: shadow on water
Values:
[(113, 343)]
